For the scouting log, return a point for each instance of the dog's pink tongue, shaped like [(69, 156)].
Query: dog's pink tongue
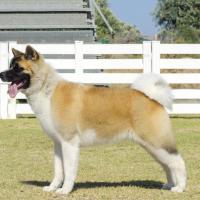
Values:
[(12, 90)]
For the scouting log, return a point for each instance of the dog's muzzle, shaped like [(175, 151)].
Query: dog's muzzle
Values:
[(3, 76)]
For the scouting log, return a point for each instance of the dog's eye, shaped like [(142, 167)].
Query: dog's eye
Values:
[(17, 69)]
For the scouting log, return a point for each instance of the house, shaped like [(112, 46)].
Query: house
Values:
[(46, 21)]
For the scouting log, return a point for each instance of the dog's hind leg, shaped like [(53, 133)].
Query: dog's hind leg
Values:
[(174, 166), (58, 169), (171, 180), (156, 136), (70, 155), (172, 163), (165, 153)]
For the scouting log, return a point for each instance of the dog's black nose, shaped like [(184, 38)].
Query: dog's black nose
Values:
[(1, 75)]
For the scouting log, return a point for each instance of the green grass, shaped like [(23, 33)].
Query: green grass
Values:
[(113, 172)]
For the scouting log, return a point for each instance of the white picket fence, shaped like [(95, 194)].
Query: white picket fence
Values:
[(187, 101)]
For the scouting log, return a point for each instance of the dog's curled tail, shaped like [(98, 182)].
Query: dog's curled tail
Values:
[(156, 88)]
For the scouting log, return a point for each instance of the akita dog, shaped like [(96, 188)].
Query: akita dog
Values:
[(75, 114)]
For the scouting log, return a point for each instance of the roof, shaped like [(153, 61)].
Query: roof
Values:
[(46, 21)]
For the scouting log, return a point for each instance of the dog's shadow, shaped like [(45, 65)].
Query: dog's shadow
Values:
[(147, 184)]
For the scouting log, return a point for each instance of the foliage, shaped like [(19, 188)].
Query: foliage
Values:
[(123, 33), (172, 14), (182, 35), (179, 20)]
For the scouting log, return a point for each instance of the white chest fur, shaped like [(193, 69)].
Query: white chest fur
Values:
[(41, 106)]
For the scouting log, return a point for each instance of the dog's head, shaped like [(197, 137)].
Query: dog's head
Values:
[(21, 70)]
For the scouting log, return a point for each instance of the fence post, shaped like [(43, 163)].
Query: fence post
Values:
[(156, 57), (3, 86), (78, 57), (11, 101), (147, 56)]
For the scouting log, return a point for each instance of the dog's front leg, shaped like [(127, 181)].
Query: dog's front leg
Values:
[(58, 169), (70, 153)]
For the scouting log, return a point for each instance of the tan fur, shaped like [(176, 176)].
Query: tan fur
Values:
[(27, 67), (30, 66), (110, 112), (72, 113)]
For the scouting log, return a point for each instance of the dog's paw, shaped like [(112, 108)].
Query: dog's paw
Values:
[(62, 191), (49, 188), (177, 189)]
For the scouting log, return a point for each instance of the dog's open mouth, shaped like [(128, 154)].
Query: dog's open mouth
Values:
[(15, 87)]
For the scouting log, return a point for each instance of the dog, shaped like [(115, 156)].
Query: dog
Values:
[(75, 115)]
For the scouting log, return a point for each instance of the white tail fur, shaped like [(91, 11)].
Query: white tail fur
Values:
[(155, 87)]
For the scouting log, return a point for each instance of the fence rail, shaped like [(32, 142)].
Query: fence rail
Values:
[(150, 59)]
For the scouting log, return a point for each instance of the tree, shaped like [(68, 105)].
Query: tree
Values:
[(179, 20), (123, 33)]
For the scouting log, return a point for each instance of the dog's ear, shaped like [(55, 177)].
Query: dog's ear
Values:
[(16, 52), (31, 53)]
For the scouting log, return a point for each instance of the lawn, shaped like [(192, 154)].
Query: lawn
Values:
[(112, 172)]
